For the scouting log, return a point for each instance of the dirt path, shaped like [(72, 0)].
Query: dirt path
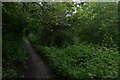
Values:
[(37, 67)]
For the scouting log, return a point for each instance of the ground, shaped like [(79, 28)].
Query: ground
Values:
[(37, 67)]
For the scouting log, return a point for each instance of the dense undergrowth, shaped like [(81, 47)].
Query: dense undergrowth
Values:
[(14, 58), (13, 47), (81, 61)]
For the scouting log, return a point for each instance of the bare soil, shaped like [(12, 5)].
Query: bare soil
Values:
[(37, 68)]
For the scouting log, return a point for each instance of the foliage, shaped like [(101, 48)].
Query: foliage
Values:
[(82, 61), (102, 26), (78, 39), (92, 22), (11, 73), (13, 47)]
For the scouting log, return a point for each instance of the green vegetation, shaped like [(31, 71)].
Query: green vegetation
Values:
[(14, 54), (81, 46), (83, 61), (79, 40)]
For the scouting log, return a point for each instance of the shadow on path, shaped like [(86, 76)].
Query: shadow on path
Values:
[(37, 67)]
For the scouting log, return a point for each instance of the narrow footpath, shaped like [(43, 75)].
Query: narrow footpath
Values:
[(37, 67)]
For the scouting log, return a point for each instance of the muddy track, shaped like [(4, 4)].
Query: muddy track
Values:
[(37, 67)]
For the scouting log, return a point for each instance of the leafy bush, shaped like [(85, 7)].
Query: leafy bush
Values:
[(55, 36), (82, 61), (13, 46), (102, 26), (13, 53), (10, 73)]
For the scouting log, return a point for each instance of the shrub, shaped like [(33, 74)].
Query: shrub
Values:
[(83, 61)]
